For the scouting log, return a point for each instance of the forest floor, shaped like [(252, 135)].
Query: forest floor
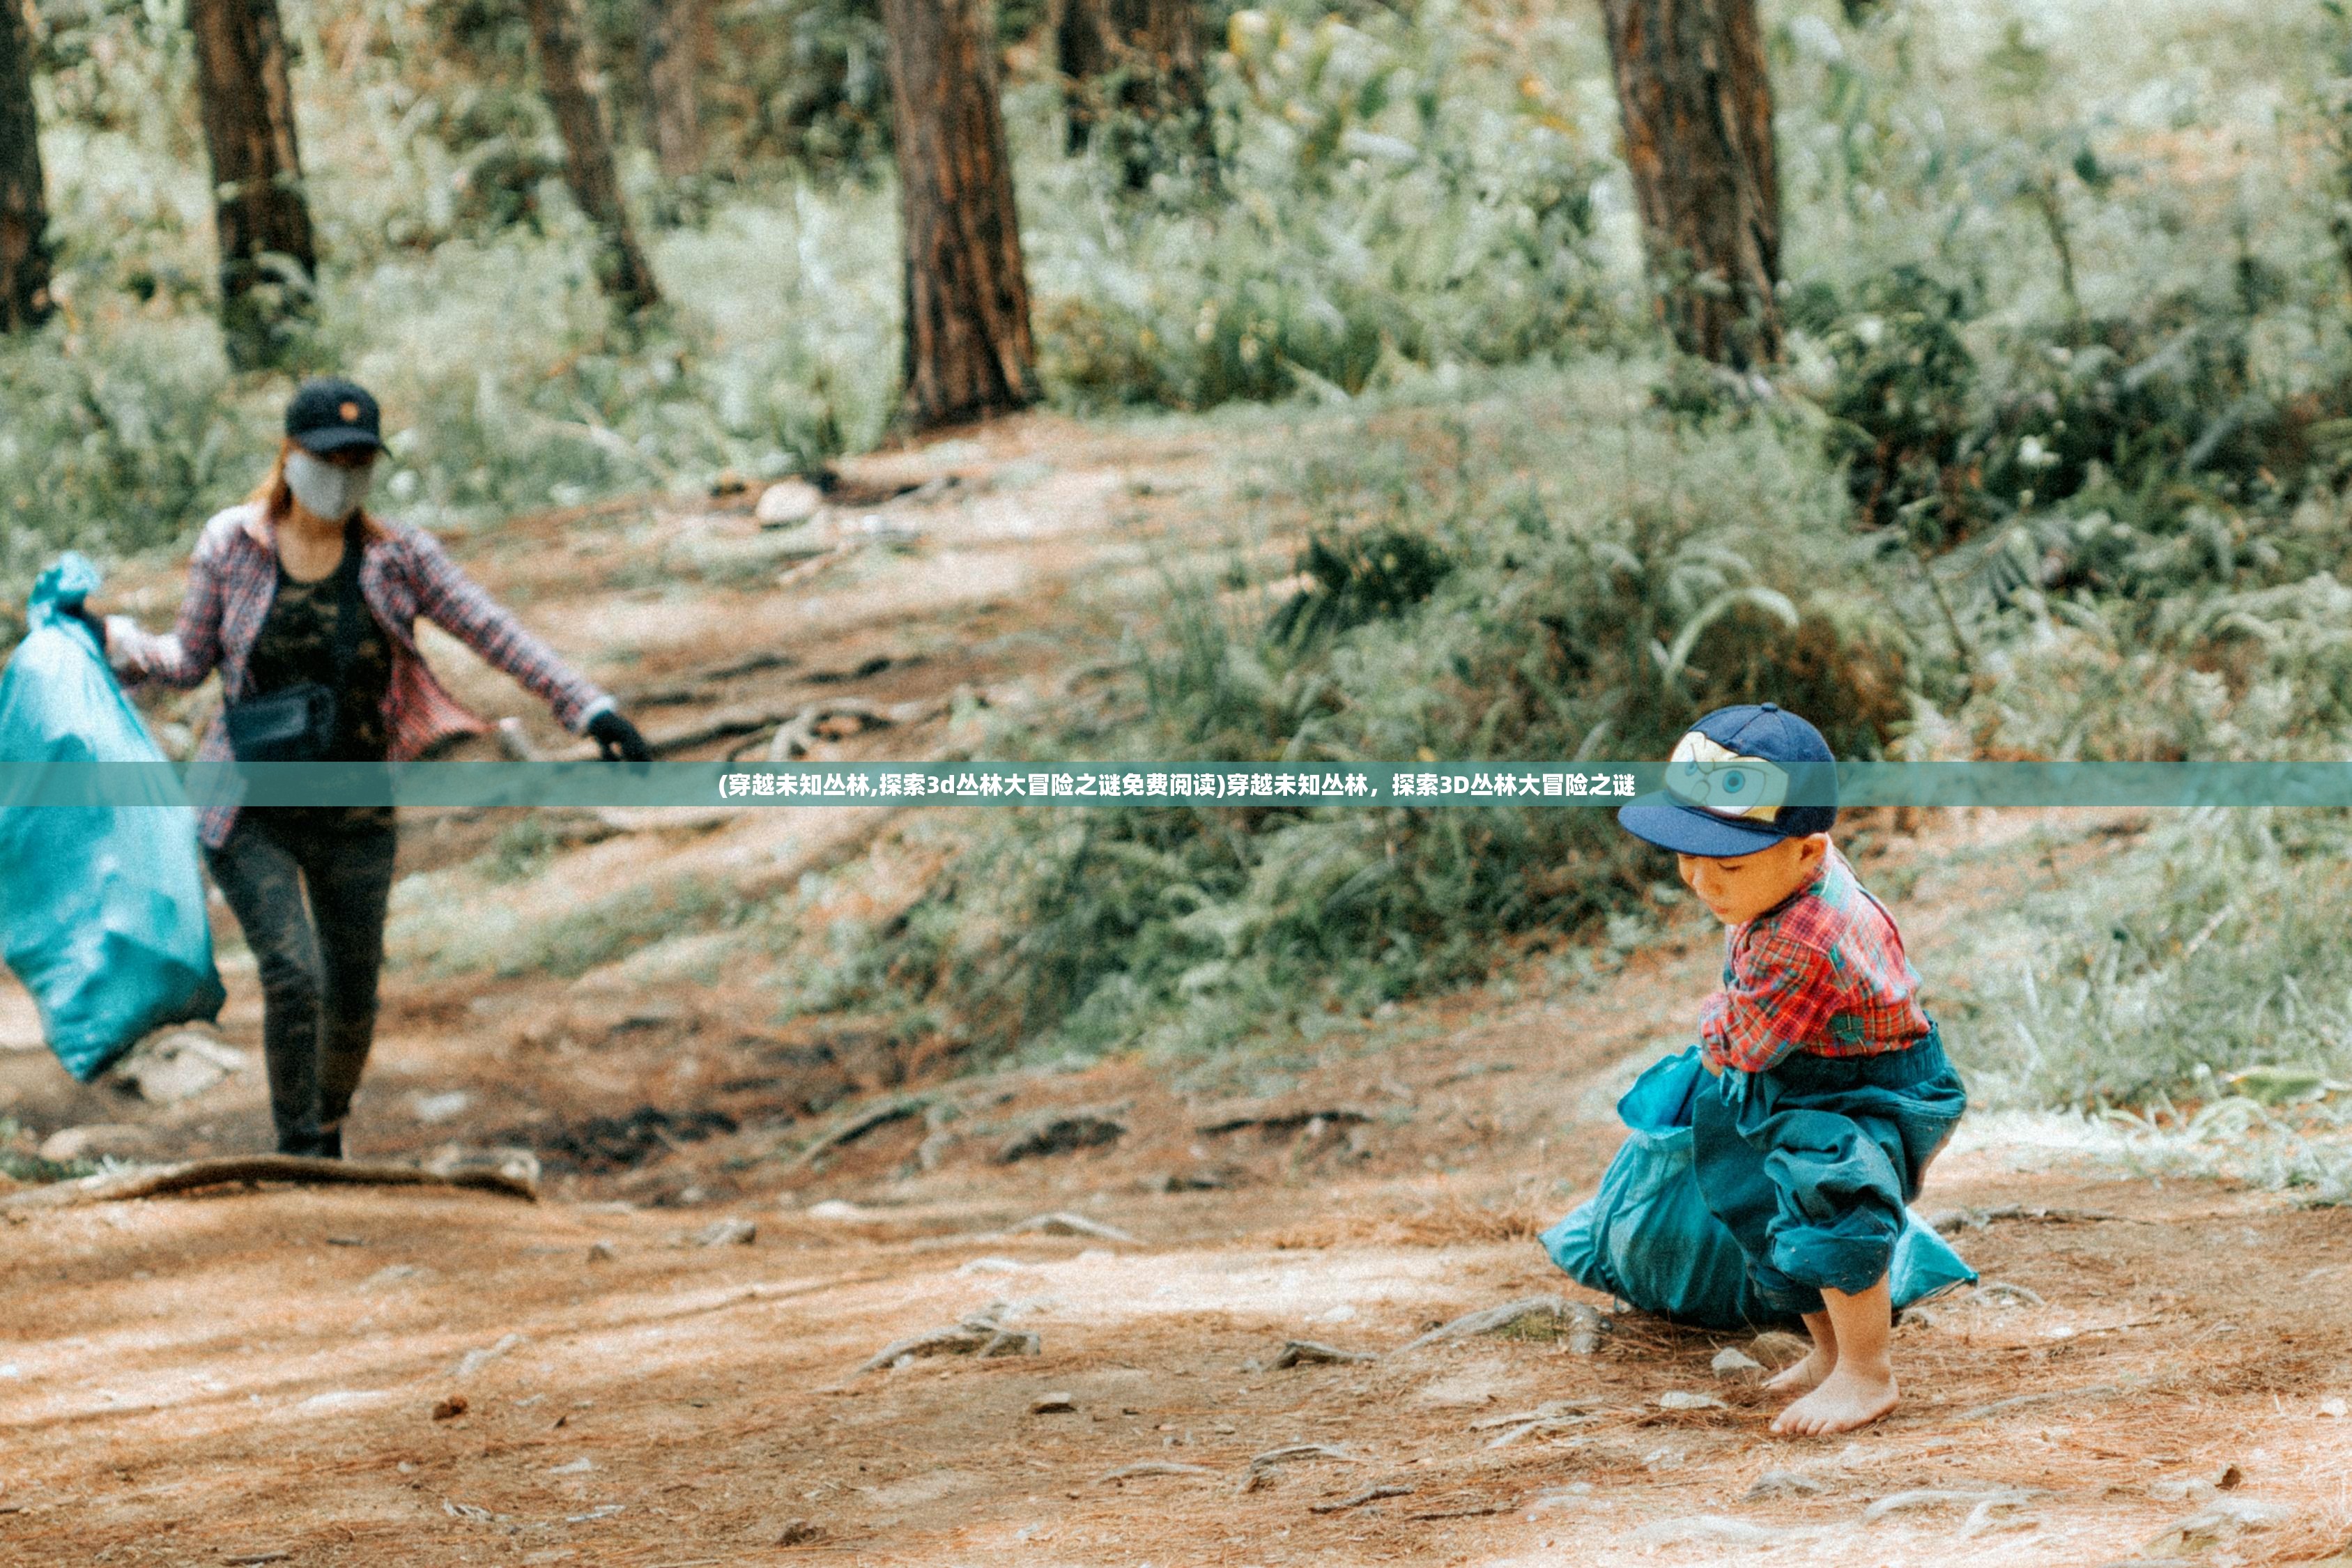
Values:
[(252, 1375)]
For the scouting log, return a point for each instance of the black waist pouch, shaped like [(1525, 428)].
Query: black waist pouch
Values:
[(297, 724)]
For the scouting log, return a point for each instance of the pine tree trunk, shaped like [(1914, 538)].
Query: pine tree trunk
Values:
[(1142, 56), (1082, 51), (968, 349), (566, 79), (1160, 45), (674, 43), (24, 216), (1697, 108), (268, 256)]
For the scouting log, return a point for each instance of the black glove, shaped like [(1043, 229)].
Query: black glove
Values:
[(618, 739)]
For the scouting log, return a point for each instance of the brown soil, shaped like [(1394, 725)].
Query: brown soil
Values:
[(223, 1377)]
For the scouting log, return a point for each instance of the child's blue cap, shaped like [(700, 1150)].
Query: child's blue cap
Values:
[(1728, 785)]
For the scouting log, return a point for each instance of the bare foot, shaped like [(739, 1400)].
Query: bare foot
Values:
[(1846, 1399), (1804, 1376)]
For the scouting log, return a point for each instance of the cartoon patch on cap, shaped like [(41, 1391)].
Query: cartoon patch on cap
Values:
[(1710, 775), (350, 411)]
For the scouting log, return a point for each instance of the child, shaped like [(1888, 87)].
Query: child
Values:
[(1831, 1090)]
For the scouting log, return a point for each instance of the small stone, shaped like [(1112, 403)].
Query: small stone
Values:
[(1052, 1404), (2333, 1406), (98, 1141), (2224, 1521), (579, 1466), (450, 1408), (786, 502), (473, 1360), (726, 1233), (601, 1252), (837, 1211), (1012, 1341), (435, 1109), (1775, 1350), (1682, 1399), (1066, 1224), (2001, 1292), (801, 1532), (1731, 1363)]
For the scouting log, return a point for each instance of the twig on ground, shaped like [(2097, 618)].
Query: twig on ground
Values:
[(1359, 1500), (1152, 1467)]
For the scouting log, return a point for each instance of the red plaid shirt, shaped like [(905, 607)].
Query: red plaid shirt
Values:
[(1823, 973), (403, 574)]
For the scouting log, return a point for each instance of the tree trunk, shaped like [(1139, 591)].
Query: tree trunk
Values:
[(968, 349), (267, 253), (1158, 42), (1140, 56), (1697, 110), (24, 217), (675, 44), (1082, 51), (566, 79)]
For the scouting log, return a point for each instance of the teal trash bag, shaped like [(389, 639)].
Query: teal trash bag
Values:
[(1647, 1238), (101, 906)]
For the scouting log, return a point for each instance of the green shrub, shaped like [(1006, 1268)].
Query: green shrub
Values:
[(2214, 948)]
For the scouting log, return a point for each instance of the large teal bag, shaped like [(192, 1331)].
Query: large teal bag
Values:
[(1647, 1238), (101, 906)]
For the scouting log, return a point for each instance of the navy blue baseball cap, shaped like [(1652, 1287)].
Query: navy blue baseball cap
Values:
[(328, 414), (1728, 785)]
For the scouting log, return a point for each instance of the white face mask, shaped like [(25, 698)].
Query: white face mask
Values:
[(324, 489)]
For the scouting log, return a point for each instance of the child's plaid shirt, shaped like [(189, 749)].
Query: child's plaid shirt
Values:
[(1823, 973)]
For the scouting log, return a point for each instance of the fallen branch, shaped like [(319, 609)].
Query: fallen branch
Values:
[(1311, 1352), (2027, 1401), (1949, 1221), (162, 1181), (1585, 1325), (1359, 1500), (1475, 1510), (857, 1125), (1281, 1120), (1152, 1467), (797, 736)]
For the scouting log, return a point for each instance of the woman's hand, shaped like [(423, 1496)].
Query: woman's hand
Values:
[(618, 739)]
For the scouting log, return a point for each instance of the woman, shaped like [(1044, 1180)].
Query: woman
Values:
[(270, 585)]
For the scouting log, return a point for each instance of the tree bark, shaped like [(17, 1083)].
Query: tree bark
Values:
[(1082, 51), (968, 348), (675, 43), (24, 214), (1160, 44), (268, 255), (567, 80), (1140, 56), (1697, 110)]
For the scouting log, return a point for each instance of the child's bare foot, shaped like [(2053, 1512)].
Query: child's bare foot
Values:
[(1849, 1397), (1804, 1376)]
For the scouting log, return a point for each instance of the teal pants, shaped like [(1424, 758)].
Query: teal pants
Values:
[(1810, 1164)]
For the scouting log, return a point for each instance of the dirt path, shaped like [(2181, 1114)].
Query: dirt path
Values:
[(243, 1373)]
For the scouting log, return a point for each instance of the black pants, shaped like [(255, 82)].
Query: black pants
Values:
[(319, 957)]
